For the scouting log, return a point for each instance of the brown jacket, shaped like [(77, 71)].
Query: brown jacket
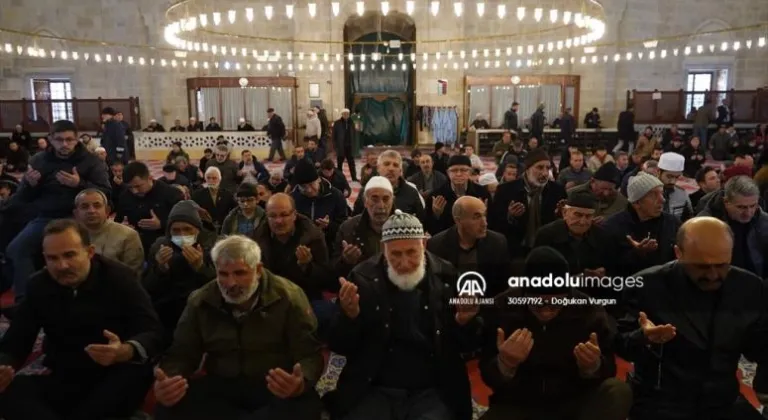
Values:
[(119, 243)]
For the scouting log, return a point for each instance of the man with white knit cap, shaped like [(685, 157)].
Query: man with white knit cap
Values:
[(676, 201), (343, 139), (400, 334), (643, 234), (359, 237)]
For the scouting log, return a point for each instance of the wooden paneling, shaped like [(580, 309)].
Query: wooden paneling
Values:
[(86, 113), (749, 106), (225, 82)]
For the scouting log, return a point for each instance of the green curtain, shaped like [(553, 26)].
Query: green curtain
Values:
[(384, 122)]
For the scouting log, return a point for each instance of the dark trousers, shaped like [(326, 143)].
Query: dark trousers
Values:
[(212, 397), (118, 392), (610, 401), (277, 146), (397, 404), (646, 409), (346, 153)]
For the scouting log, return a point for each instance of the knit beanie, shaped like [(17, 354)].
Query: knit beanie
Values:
[(608, 172), (487, 179), (402, 226), (544, 262), (736, 170), (535, 156), (462, 160), (582, 200), (640, 185), (304, 172), (185, 211)]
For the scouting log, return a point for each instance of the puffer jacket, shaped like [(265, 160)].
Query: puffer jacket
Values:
[(677, 203)]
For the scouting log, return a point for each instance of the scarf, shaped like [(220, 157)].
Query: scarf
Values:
[(534, 211)]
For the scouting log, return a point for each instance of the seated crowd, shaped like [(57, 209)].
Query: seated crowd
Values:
[(221, 287)]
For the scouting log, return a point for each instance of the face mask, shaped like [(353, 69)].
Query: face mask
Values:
[(180, 241)]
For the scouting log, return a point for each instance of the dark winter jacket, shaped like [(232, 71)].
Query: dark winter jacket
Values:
[(329, 202), (219, 210), (275, 128), (229, 177), (436, 224), (339, 181), (439, 181), (50, 198), (407, 199), (492, 257), (550, 373), (365, 340), (691, 376), (628, 260), (355, 231), (114, 141), (160, 200), (510, 120), (343, 134), (262, 174), (111, 298)]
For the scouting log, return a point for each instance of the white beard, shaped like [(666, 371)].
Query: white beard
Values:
[(242, 296), (408, 282)]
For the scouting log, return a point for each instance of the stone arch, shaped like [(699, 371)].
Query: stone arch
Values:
[(396, 23), (42, 41), (703, 37)]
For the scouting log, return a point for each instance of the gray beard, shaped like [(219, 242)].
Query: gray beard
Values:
[(408, 282)]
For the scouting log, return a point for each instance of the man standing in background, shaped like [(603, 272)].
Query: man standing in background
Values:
[(343, 135), (276, 132), (510, 117), (113, 138), (129, 139)]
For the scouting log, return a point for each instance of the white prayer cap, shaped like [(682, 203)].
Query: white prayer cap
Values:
[(242, 120), (487, 179), (345, 110), (379, 182), (672, 162)]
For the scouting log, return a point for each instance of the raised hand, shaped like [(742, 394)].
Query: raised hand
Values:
[(169, 391), (6, 377), (69, 179), (350, 253), (193, 255), (438, 205), (515, 349), (163, 257), (646, 245), (588, 355), (516, 209), (324, 222), (125, 222), (303, 255), (153, 223), (113, 352), (658, 334), (349, 298), (286, 385), (33, 177)]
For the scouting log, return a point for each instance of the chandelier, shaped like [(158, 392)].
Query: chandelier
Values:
[(234, 31)]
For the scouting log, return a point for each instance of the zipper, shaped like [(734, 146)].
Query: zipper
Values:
[(240, 354)]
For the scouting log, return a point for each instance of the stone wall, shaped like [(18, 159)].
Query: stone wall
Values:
[(163, 95)]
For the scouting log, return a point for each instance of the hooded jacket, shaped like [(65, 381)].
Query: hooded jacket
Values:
[(328, 202), (50, 198)]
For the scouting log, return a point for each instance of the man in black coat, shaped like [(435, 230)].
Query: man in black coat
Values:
[(643, 235), (521, 207), (402, 339), (579, 240), (470, 246), (343, 142), (101, 335), (113, 139), (440, 158), (688, 325), (440, 202), (510, 117), (318, 200), (276, 133), (550, 361), (145, 203), (427, 179), (130, 141), (333, 175), (47, 192), (389, 164)]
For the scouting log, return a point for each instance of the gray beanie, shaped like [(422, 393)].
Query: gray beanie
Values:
[(640, 185), (185, 211), (402, 226)]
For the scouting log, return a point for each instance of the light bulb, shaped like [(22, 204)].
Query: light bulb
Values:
[(553, 15), (480, 9), (325, 57), (550, 46), (435, 8), (249, 14), (663, 53), (629, 56), (761, 42), (362, 58), (466, 65), (76, 56), (350, 57), (108, 58), (520, 13), (437, 56), (497, 53), (384, 8), (736, 46), (652, 55), (424, 56), (313, 57), (362, 67), (749, 44), (338, 57), (530, 49), (312, 7), (400, 56), (64, 54), (203, 20), (578, 19), (216, 18), (617, 57), (289, 55), (360, 8), (509, 51), (268, 12), (410, 6), (458, 8), (413, 56), (566, 18), (450, 55), (538, 13), (289, 11), (501, 11), (231, 16), (594, 59)]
